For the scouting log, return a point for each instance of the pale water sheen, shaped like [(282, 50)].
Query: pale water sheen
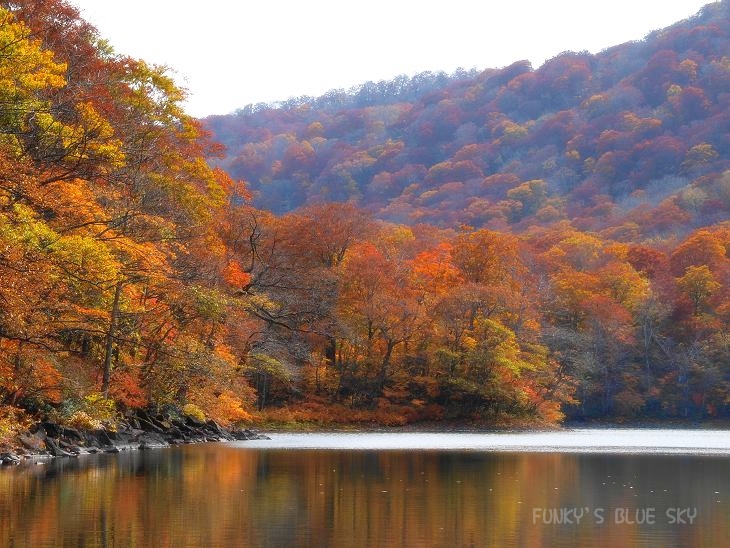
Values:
[(577, 440), (589, 488)]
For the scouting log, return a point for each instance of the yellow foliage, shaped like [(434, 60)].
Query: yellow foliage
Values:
[(193, 411), (81, 419), (93, 137), (699, 284), (93, 411), (24, 66), (25, 70), (12, 421)]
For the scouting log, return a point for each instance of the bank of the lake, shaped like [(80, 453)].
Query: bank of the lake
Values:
[(144, 430), (140, 430)]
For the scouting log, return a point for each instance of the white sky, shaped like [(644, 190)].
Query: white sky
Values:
[(229, 53)]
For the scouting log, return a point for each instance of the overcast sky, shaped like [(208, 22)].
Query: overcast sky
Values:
[(229, 53)]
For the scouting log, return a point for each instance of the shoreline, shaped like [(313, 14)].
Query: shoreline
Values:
[(145, 431), (515, 426), (138, 432)]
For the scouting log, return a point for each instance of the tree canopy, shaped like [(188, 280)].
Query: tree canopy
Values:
[(134, 271)]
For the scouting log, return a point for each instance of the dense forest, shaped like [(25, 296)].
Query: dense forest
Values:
[(631, 142), (512, 246)]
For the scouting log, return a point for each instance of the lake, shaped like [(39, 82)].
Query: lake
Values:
[(568, 488)]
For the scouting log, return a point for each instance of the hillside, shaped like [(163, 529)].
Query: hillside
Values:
[(632, 140), (136, 274)]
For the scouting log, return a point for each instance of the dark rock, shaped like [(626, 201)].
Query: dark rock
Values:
[(33, 442), (193, 422), (248, 434), (155, 445), (103, 437), (121, 437), (9, 459), (152, 440), (71, 434), (50, 429), (55, 450), (69, 447), (142, 420), (58, 431), (141, 429)]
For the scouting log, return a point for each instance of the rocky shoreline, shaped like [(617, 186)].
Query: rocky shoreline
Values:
[(139, 431)]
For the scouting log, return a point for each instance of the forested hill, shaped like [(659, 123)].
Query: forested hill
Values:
[(633, 141), (136, 274)]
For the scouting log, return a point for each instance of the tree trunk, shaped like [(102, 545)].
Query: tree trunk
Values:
[(383, 374), (109, 346)]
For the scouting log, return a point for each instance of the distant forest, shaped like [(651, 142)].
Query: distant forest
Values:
[(633, 141), (515, 246)]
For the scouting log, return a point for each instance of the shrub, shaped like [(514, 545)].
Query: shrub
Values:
[(81, 419), (93, 411), (194, 412), (12, 421)]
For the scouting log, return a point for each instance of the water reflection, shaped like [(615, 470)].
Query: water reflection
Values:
[(228, 495)]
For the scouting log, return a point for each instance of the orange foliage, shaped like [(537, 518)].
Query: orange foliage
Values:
[(123, 250), (126, 389), (434, 271), (235, 276)]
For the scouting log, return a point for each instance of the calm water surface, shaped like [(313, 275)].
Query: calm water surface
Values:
[(574, 488)]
